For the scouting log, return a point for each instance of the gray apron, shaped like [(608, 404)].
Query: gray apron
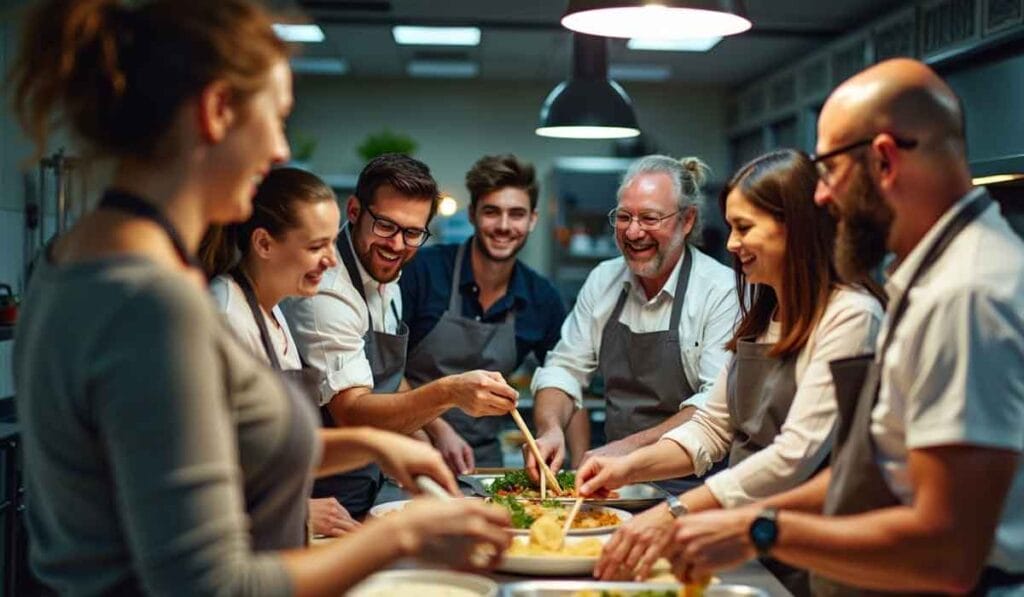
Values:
[(857, 483), (458, 344), (357, 490), (759, 393), (643, 373)]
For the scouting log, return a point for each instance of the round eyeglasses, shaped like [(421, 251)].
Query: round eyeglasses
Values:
[(384, 228), (620, 219)]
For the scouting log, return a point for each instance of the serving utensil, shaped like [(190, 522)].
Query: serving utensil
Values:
[(532, 443), (568, 519)]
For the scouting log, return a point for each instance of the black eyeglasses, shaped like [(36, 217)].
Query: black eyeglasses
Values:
[(824, 173), (384, 228)]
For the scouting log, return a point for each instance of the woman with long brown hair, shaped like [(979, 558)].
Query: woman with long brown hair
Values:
[(772, 409), (160, 456)]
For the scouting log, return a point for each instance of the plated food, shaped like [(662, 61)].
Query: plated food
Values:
[(518, 484), (589, 520), (545, 553)]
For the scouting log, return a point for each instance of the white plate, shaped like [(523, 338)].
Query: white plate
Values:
[(392, 579), (551, 565), (622, 514), (381, 510)]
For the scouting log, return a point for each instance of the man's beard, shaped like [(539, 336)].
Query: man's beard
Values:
[(652, 267), (482, 246), (864, 221)]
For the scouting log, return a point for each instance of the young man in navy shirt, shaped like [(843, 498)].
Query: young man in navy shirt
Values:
[(474, 305)]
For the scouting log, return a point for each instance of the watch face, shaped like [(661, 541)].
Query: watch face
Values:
[(763, 533)]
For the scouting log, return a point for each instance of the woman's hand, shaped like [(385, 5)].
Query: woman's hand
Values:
[(465, 533), (404, 459), (602, 472), (636, 546), (328, 517)]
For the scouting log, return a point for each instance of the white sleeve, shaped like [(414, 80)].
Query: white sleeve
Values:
[(570, 365), (328, 330), (711, 356), (805, 438), (238, 315), (706, 437), (968, 359)]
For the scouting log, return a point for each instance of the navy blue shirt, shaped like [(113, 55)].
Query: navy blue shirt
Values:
[(426, 284)]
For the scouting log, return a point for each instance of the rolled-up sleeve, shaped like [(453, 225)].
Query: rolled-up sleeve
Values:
[(711, 356), (570, 365), (706, 437), (328, 330)]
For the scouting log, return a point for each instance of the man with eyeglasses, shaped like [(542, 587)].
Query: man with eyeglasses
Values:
[(925, 493), (474, 305), (352, 330), (653, 323)]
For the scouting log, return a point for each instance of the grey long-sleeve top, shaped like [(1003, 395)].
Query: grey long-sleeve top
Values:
[(150, 437)]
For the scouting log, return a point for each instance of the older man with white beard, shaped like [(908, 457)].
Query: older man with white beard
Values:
[(653, 322)]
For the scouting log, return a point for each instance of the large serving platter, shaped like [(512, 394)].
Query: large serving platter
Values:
[(550, 565), (381, 510), (636, 496)]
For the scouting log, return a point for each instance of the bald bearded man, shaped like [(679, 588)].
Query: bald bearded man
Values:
[(926, 488)]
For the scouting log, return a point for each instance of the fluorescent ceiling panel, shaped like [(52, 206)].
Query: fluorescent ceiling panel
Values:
[(690, 44), (309, 65), (309, 34), (407, 35), (448, 69), (639, 72)]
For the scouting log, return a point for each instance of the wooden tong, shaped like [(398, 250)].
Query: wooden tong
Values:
[(545, 470)]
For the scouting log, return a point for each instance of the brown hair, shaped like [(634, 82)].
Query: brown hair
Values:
[(118, 74), (407, 175), (273, 209), (782, 183), (495, 172)]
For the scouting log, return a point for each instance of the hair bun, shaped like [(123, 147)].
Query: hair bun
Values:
[(697, 170)]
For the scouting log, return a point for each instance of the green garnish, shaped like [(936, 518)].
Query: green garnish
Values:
[(517, 481), (520, 519)]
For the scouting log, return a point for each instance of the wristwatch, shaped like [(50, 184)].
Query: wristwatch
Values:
[(676, 507), (764, 531)]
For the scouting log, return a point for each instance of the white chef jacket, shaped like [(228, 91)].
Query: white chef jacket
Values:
[(329, 327)]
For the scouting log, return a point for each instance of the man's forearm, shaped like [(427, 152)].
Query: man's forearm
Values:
[(808, 497), (661, 460), (345, 450), (884, 549), (552, 409), (402, 412), (652, 435), (437, 428)]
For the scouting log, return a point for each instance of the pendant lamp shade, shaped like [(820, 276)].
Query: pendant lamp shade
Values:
[(588, 105), (656, 19)]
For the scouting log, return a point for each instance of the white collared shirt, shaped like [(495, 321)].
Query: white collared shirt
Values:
[(705, 324), (847, 328), (231, 301), (954, 373), (330, 326)]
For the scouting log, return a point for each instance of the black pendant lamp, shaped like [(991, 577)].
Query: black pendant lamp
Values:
[(656, 19), (588, 105)]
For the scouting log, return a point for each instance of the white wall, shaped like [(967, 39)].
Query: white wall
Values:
[(456, 122)]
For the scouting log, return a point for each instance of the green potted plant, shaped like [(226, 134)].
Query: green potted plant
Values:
[(386, 141)]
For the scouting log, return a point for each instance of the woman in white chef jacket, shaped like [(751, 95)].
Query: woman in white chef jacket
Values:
[(282, 250)]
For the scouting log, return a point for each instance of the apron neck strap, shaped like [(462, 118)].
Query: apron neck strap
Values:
[(682, 283), (349, 259), (455, 300), (250, 298), (966, 215), (136, 206)]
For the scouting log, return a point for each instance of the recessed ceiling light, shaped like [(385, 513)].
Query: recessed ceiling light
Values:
[(310, 65), (442, 69), (407, 35), (665, 20), (639, 72), (690, 44), (309, 34)]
